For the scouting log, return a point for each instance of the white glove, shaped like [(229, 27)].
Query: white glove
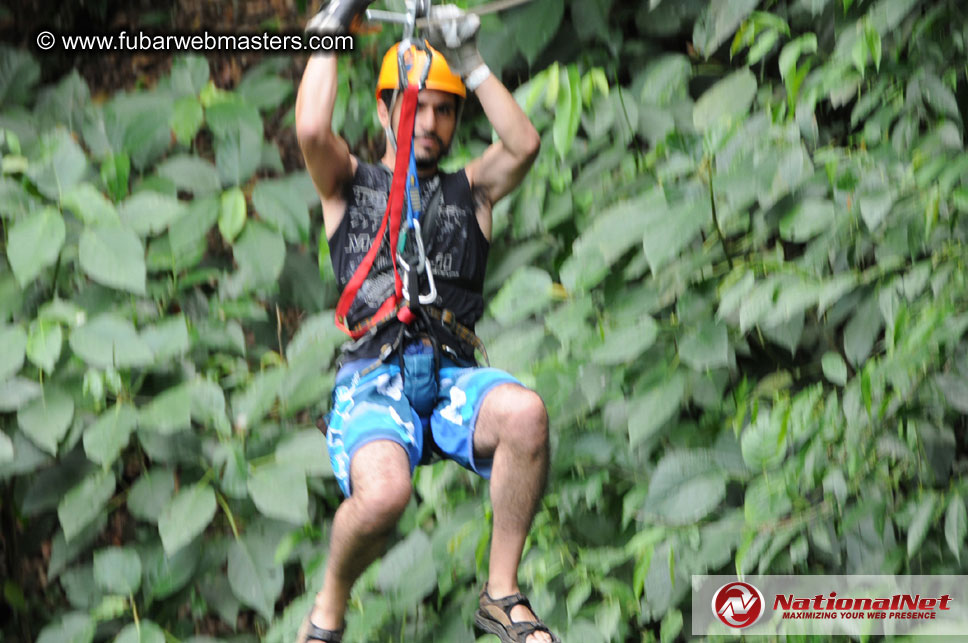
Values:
[(453, 32), (336, 17)]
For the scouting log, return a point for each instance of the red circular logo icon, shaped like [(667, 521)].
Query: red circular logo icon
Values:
[(738, 604)]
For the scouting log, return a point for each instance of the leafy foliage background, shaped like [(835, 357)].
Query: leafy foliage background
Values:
[(736, 274)]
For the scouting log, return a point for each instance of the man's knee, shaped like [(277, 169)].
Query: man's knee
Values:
[(378, 510), (524, 419), (381, 486)]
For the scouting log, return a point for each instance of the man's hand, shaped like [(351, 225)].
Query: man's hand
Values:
[(454, 32), (337, 17)]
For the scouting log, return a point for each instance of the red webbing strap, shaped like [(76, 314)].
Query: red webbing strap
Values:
[(391, 217)]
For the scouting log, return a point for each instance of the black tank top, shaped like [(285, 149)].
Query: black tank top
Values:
[(457, 250)]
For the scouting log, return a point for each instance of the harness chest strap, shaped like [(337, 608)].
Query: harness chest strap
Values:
[(393, 305)]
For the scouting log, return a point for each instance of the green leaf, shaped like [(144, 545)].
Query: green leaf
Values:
[(303, 451), (766, 500), (807, 219), (728, 99), (149, 212), (685, 487), (671, 626), (872, 39), (150, 495), (238, 140), (591, 19), (45, 419), (705, 346), (72, 627), (862, 331), (791, 52), (15, 201), (624, 344), (90, 206), (208, 405), (568, 111), (764, 45), (956, 525), (115, 171), (279, 491), (921, 523), (875, 205), (44, 344), (137, 124), (186, 516), (19, 72), (264, 91), (255, 577), (6, 448), (13, 345), (671, 229), (117, 570), (191, 174), (187, 234), (168, 338), (16, 392), (534, 25), (110, 607), (58, 163), (107, 436), (260, 253), (648, 412), (186, 119), (528, 291), (35, 243), (114, 257), (408, 571), (762, 442), (110, 341), (142, 632), (63, 553), (164, 575), (282, 208), (955, 390), (666, 79), (168, 412), (612, 233), (939, 96), (83, 503), (250, 405), (231, 218), (189, 74), (834, 368), (718, 22)]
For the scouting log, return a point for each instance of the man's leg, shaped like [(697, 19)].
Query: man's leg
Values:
[(380, 475), (512, 428)]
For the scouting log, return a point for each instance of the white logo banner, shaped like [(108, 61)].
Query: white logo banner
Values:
[(830, 605)]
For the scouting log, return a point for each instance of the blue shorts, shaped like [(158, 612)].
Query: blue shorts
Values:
[(382, 405)]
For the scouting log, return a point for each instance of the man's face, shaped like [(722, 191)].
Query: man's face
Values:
[(434, 125)]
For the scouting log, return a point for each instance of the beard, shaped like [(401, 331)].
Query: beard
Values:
[(430, 160)]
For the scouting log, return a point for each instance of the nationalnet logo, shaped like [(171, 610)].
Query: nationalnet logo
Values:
[(738, 604), (898, 606), (830, 605)]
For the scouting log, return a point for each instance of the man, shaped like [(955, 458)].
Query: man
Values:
[(408, 391)]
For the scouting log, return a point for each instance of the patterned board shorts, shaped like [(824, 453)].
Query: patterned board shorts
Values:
[(382, 405)]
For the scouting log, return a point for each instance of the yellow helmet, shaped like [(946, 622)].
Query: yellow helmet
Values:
[(440, 77)]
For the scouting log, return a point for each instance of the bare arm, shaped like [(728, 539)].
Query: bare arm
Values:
[(503, 165), (327, 155)]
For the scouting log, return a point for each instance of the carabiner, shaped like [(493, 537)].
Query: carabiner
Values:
[(423, 265)]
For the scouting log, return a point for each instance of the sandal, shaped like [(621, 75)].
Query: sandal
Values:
[(494, 617), (308, 631)]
